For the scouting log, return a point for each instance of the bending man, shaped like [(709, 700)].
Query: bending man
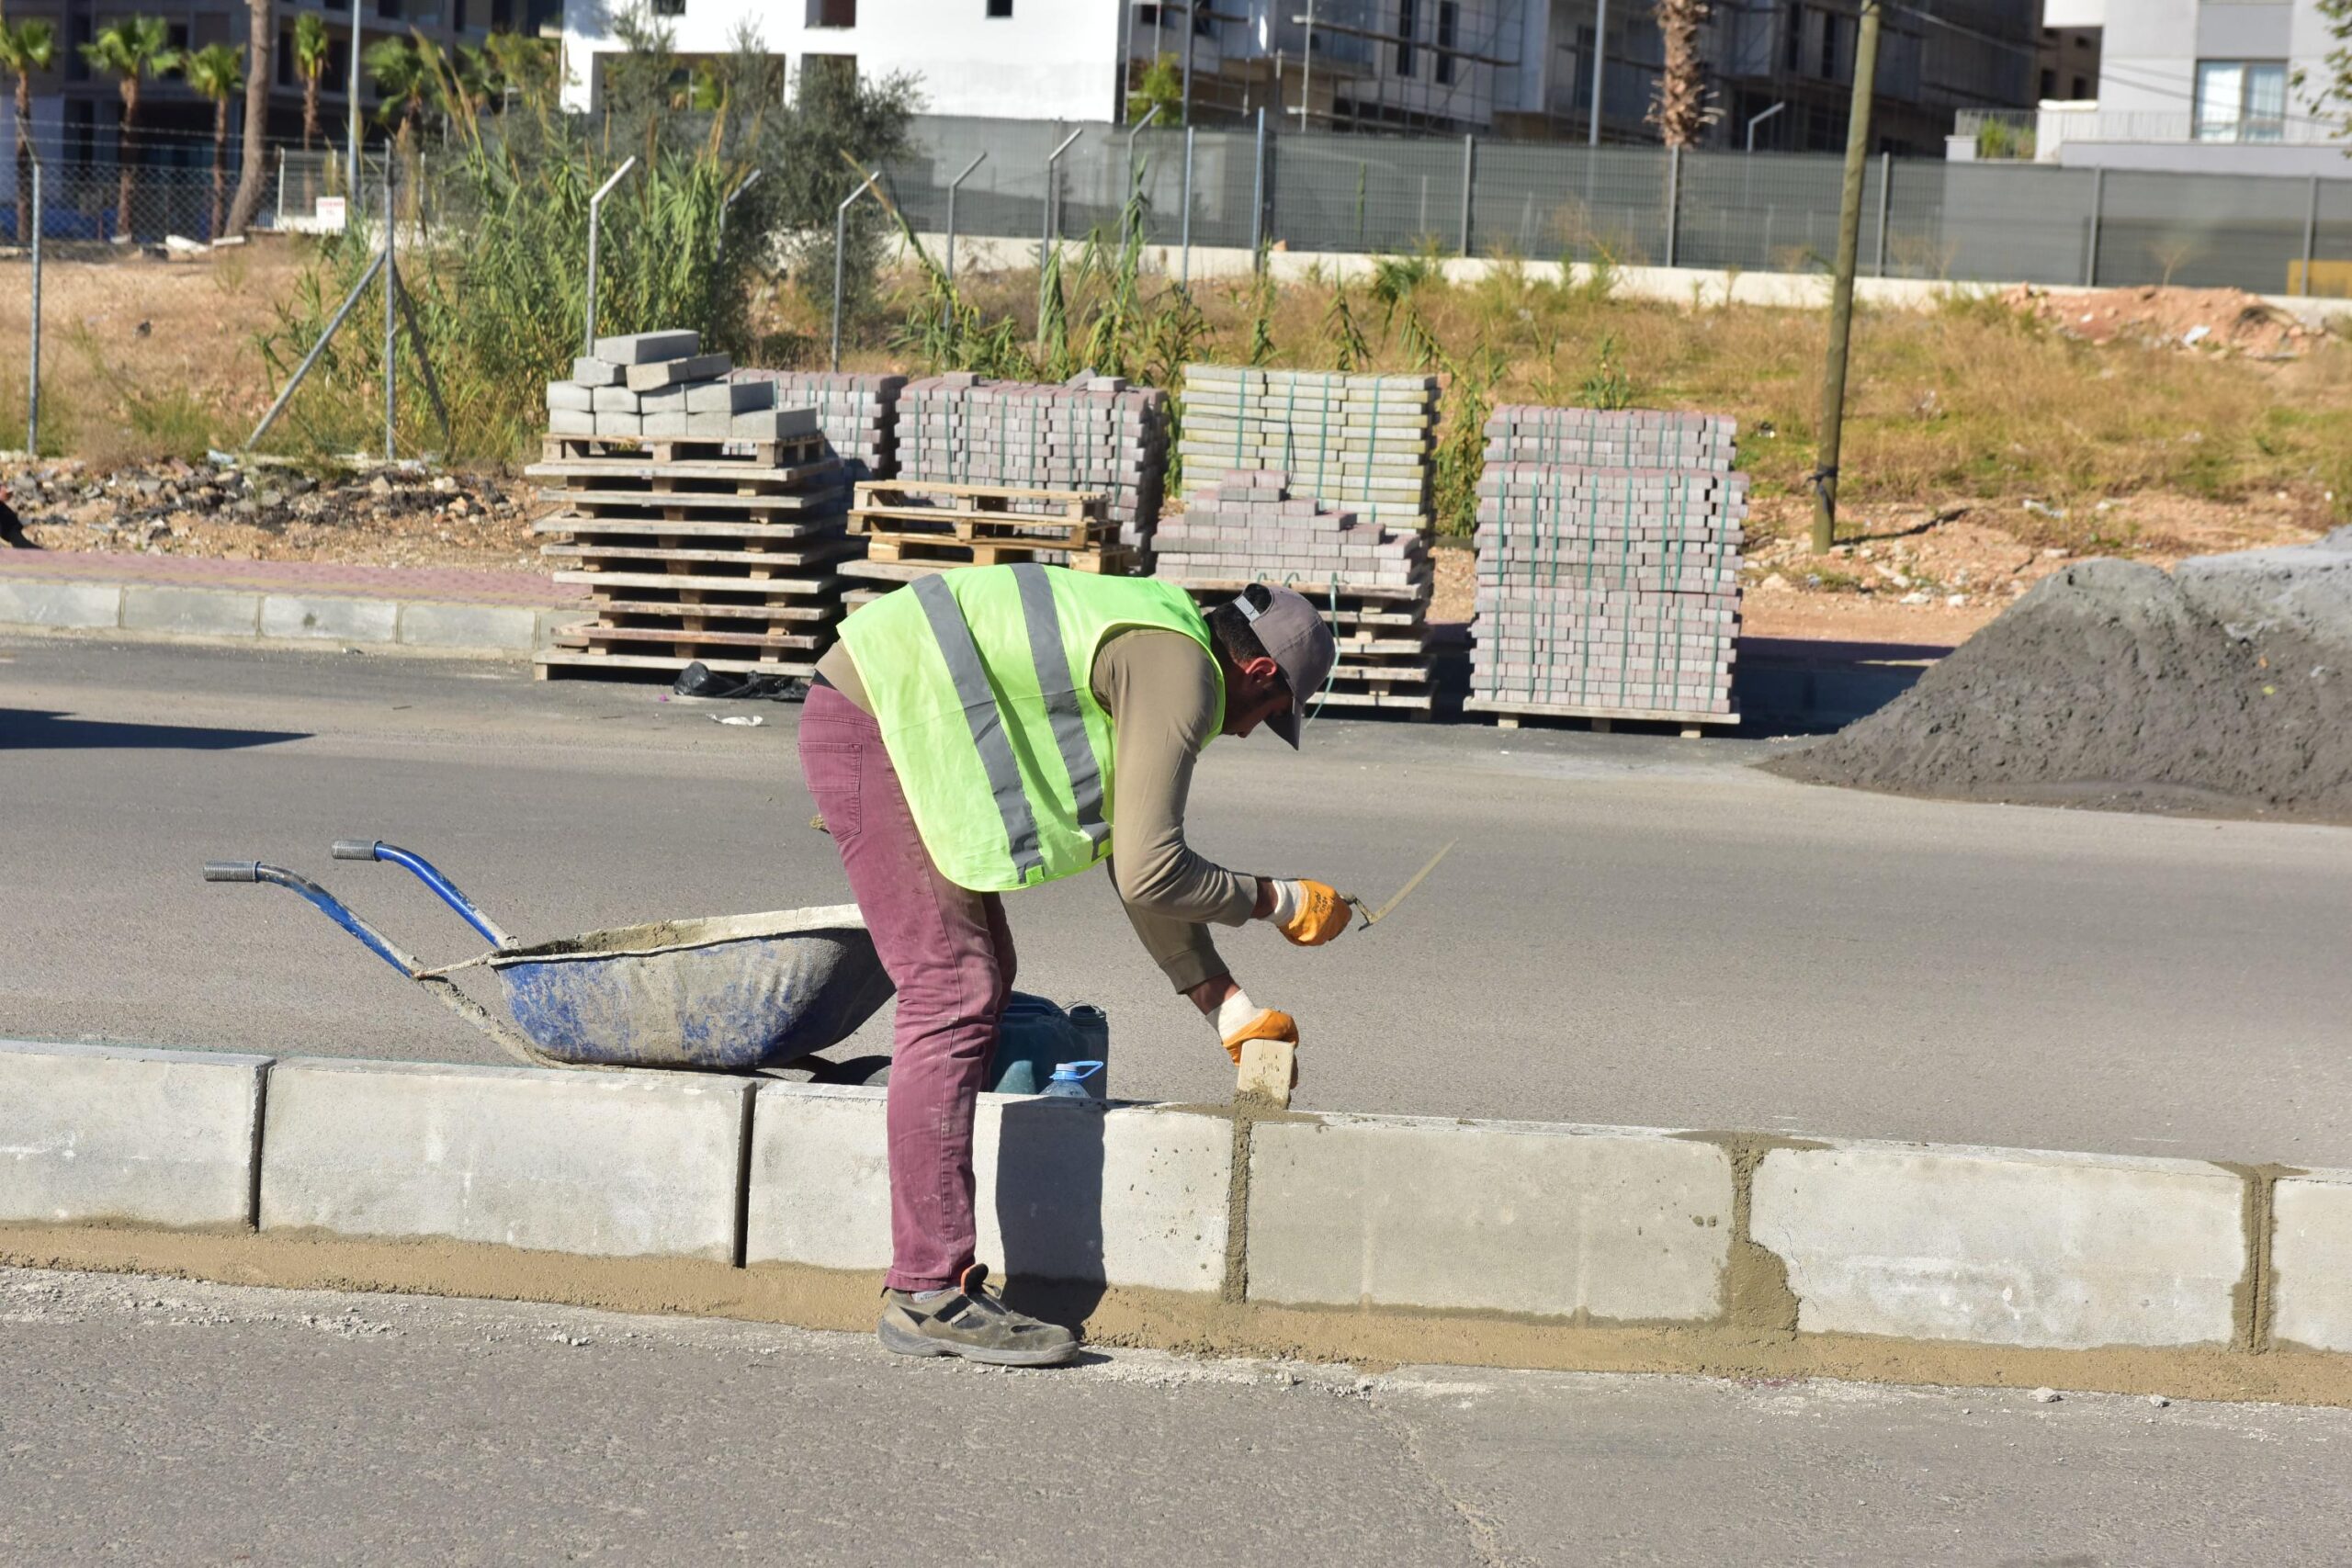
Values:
[(994, 727)]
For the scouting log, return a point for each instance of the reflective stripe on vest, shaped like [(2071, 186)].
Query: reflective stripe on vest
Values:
[(981, 680), (971, 677)]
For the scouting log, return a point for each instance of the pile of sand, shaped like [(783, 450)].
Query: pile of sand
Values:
[(2224, 688)]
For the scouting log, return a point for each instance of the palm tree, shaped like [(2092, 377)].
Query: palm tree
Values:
[(132, 48), (25, 47), (217, 72), (403, 80), (261, 44), (313, 49), (1679, 107)]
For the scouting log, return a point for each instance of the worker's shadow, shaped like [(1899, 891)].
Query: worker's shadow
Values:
[(1049, 1207)]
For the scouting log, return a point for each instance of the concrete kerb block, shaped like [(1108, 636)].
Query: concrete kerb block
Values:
[(324, 617), (2004, 1246), (102, 1134), (1618, 1225), (550, 622), (79, 606), (2311, 1261), (195, 612), (603, 1164), (495, 628), (1123, 1195)]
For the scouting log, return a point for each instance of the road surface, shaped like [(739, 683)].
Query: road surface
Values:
[(1635, 930), (158, 1421)]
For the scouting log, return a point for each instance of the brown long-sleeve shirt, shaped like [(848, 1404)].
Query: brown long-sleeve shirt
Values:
[(1161, 690)]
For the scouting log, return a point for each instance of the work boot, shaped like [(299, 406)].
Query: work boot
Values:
[(970, 1323)]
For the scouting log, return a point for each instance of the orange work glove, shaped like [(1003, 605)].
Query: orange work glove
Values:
[(1308, 913), (1268, 1025)]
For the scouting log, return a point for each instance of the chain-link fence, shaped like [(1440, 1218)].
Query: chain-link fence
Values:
[(1635, 205)]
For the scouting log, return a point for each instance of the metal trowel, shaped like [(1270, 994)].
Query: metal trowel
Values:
[(1374, 917)]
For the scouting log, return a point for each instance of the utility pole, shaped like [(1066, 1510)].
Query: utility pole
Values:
[(1841, 295), (1306, 64), (1600, 59), (1192, 25), (351, 122)]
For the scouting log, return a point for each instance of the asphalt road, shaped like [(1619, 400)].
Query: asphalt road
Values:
[(157, 1421), (1634, 930)]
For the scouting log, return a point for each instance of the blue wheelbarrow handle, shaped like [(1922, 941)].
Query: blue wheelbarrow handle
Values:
[(326, 903), (427, 872)]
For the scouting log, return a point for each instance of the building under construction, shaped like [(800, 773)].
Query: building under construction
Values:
[(1526, 68)]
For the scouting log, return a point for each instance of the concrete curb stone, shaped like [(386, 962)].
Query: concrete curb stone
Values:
[(1522, 1217), (603, 1164), (2005, 1246), (100, 1133), (2310, 1260), (1128, 1195), (496, 630), (79, 606), (191, 612), (329, 618)]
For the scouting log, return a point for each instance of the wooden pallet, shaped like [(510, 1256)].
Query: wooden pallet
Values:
[(673, 449), (1508, 714), (696, 641), (595, 555), (1066, 519), (930, 549), (558, 664), (775, 498)]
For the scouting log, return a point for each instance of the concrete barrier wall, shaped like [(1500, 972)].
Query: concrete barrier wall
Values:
[(1546, 1229)]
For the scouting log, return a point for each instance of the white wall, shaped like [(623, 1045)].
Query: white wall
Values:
[(1051, 59)]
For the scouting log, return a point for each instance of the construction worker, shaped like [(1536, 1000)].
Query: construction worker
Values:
[(995, 727)]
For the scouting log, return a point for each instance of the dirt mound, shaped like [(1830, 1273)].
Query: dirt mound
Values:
[(2118, 686), (2230, 320)]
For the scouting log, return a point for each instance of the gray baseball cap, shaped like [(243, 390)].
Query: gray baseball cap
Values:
[(1295, 638)]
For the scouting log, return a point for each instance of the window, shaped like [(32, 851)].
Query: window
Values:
[(1583, 94), (1449, 17), (1795, 57), (660, 8), (825, 74), (457, 14), (388, 8), (1405, 20), (1831, 23), (832, 13), (2048, 83), (282, 63), (2241, 100), (1000, 10), (2082, 89)]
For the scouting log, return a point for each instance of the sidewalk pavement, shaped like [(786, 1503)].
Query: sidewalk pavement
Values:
[(500, 611)]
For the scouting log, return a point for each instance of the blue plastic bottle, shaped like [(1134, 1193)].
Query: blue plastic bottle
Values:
[(1068, 1081)]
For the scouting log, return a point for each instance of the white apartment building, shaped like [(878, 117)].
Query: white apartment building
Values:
[(1014, 59), (2200, 86)]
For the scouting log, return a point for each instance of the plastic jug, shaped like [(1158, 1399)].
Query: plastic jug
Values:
[(1036, 1035), (1070, 1081)]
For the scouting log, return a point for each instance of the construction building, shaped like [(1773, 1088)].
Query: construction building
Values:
[(1525, 68)]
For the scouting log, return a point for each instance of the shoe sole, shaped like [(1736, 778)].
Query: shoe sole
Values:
[(905, 1344)]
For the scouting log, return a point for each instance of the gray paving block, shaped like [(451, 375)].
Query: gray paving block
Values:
[(775, 424), (203, 611), (326, 617), (619, 426), (1553, 1221), (615, 400), (718, 424), (730, 397), (2004, 1246), (100, 1133), (672, 424), (32, 603), (571, 422), (612, 1165), (570, 395), (2311, 1261), (504, 628), (648, 348), (1128, 1195), (596, 372), (676, 372), (547, 622)]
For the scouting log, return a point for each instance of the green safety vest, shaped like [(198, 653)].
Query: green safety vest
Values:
[(982, 679)]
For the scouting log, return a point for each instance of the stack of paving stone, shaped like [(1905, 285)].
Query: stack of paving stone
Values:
[(1608, 566), (1372, 583), (856, 411), (660, 386), (1362, 442), (706, 522), (1091, 432)]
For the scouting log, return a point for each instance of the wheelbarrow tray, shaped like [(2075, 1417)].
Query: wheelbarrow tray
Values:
[(729, 993)]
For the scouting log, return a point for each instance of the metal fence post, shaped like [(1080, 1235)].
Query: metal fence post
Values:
[(1184, 278), (2090, 250), (958, 180), (2311, 232), (720, 245), (840, 244), (1469, 179), (595, 220), (1258, 195), (1885, 196), (31, 402), (1673, 203), (1046, 244), (392, 303)]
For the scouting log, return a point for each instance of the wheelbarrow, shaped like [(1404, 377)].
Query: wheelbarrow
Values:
[(731, 993)]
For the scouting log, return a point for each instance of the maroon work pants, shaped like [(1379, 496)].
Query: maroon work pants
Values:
[(950, 955)]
